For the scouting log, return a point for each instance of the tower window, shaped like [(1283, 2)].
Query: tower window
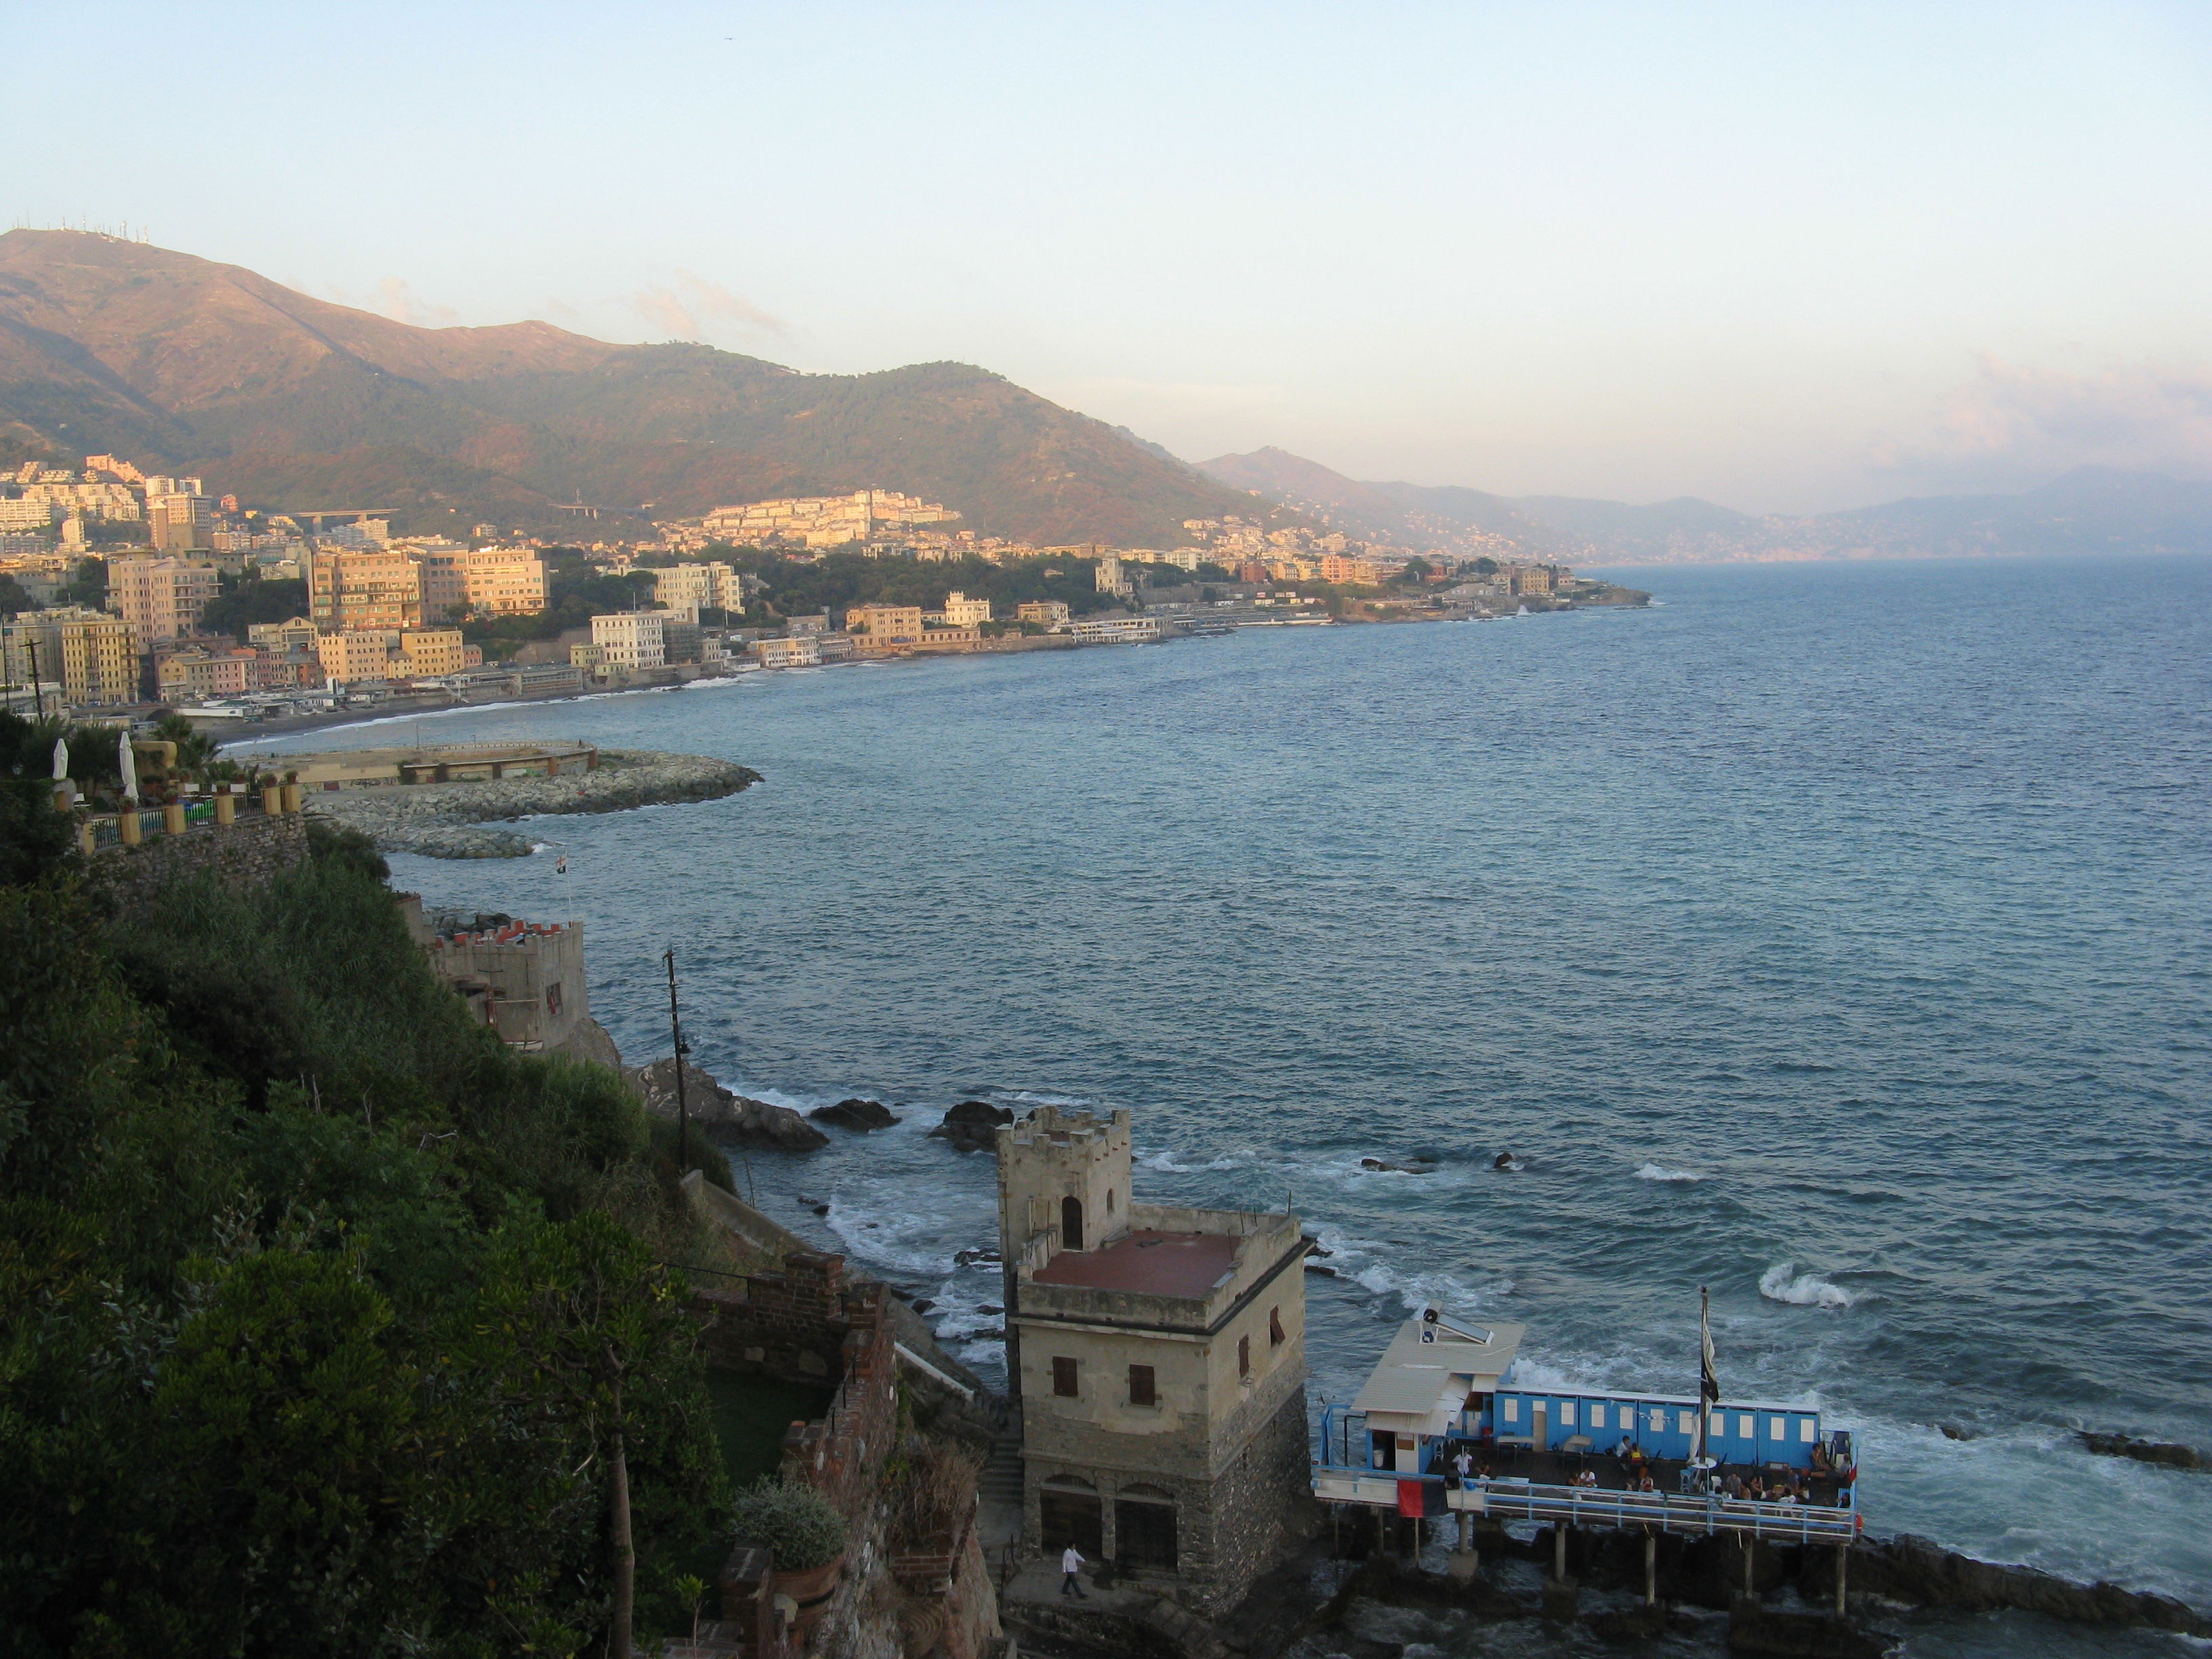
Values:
[(1063, 1377), (1243, 1356), (1274, 1328), (1141, 1390)]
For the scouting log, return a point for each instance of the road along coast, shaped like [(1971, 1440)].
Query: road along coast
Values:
[(445, 820)]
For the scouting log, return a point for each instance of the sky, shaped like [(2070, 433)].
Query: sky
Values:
[(1791, 257)]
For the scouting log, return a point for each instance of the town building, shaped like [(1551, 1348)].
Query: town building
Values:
[(161, 597), (629, 641), (1158, 1354), (961, 611), (181, 521), (883, 630), (823, 520), (1053, 613), (383, 653), (280, 636), (374, 586), (487, 582), (1107, 575), (89, 654), (695, 587), (803, 651)]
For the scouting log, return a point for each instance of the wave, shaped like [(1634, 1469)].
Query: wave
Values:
[(1784, 1283), (1661, 1172), (1165, 1163)]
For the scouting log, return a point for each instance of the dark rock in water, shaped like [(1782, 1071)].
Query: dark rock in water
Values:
[(861, 1115), (968, 1257), (716, 1107), (987, 1310), (1503, 1161), (922, 1304), (1753, 1628), (1909, 1569), (822, 1209), (1639, 1624), (972, 1126), (1388, 1167), (2146, 1451), (1953, 1431), (1326, 1272)]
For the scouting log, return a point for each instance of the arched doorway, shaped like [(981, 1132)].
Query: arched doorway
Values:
[(1071, 1223), (1069, 1511), (1144, 1527)]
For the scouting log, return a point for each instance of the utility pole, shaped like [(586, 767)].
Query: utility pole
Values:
[(676, 1037), (37, 695)]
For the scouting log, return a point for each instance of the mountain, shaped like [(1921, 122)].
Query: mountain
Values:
[(2091, 509), (185, 365)]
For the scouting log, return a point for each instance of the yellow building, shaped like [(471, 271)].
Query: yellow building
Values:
[(1053, 613), (431, 650), (88, 653), (356, 653), (490, 581), (883, 631), (961, 611)]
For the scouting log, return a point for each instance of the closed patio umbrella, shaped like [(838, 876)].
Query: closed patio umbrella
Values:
[(128, 763)]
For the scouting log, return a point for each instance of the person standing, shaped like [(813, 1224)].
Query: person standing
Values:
[(1071, 1563)]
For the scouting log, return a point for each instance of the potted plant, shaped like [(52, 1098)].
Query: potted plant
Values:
[(806, 1534)]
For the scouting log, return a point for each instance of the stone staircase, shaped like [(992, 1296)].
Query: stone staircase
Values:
[(1000, 1489)]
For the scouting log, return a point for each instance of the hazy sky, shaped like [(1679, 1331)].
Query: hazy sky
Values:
[(1786, 255)]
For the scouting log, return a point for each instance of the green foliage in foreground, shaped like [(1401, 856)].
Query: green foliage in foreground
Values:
[(798, 1522), (321, 1311)]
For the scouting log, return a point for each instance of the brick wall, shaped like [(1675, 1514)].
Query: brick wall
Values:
[(791, 1324)]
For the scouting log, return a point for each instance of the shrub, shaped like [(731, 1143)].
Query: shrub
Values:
[(936, 1493), (801, 1526)]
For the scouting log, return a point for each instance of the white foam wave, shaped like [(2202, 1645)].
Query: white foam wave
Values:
[(900, 1241), (1784, 1283), (1165, 1162), (1661, 1172)]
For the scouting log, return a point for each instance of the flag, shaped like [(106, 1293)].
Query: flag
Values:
[(1709, 1382)]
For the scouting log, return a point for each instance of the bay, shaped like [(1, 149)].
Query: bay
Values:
[(1830, 935)]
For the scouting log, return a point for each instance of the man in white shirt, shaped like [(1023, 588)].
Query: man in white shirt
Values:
[(1070, 1564)]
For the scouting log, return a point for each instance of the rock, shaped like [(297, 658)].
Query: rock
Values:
[(1504, 1161), (709, 1103), (1387, 1166), (1953, 1431), (968, 1257), (987, 1309), (972, 1126), (1318, 1267), (1636, 1624), (860, 1114), (1915, 1570), (822, 1209), (2145, 1451), (922, 1304), (1753, 1628)]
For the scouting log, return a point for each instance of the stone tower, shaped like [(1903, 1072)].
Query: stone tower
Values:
[(1158, 1353)]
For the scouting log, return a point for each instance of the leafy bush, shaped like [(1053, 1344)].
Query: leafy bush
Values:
[(801, 1526)]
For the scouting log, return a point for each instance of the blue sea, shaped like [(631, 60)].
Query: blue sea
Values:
[(1833, 935)]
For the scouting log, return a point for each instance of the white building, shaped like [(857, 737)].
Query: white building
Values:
[(691, 588), (630, 639), (961, 611), (804, 652), (1116, 630)]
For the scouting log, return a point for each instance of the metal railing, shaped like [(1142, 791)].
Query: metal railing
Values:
[(1599, 1507)]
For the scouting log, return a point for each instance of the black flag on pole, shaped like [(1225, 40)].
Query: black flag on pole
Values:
[(1709, 1382)]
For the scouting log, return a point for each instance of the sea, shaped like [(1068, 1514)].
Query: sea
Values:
[(1832, 937)]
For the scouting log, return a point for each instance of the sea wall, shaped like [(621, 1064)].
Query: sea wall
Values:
[(439, 820)]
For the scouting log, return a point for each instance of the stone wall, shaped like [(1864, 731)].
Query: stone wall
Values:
[(247, 853), (1263, 1502), (791, 1324)]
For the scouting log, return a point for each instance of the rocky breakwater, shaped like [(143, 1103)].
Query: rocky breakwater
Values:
[(443, 820), (714, 1106)]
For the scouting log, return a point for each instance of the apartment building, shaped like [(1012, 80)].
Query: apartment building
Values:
[(280, 636), (630, 639), (802, 651), (882, 630), (692, 587), (382, 653), (180, 522), (490, 581), (88, 653), (374, 587), (1343, 567), (824, 520), (160, 597), (1053, 613), (1116, 630)]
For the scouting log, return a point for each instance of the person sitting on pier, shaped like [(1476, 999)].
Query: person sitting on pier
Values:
[(1758, 1490), (1647, 1484), (1733, 1486), (1587, 1478)]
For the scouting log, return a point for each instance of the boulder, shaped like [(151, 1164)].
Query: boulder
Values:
[(1418, 1166), (972, 1126), (860, 1114), (709, 1103), (2145, 1451)]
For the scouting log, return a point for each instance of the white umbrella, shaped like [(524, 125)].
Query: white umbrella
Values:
[(128, 764), (61, 759)]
